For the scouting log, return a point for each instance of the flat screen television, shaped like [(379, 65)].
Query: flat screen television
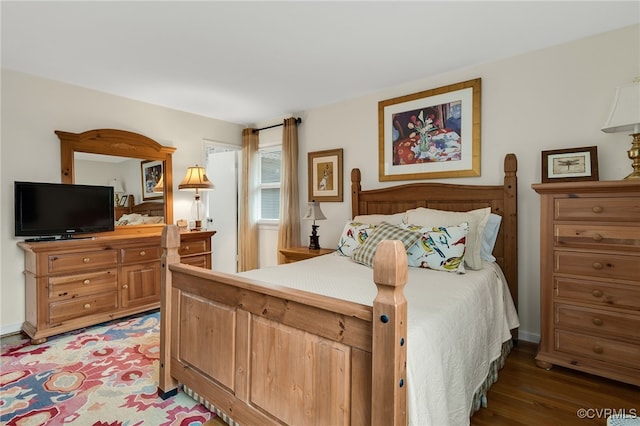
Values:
[(60, 211)]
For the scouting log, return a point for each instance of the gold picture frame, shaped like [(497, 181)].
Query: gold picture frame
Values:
[(325, 175), (151, 173), (431, 134), (570, 165)]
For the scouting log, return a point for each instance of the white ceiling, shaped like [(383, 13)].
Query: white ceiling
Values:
[(249, 62)]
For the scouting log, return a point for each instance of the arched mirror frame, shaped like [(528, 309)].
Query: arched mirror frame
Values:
[(119, 143)]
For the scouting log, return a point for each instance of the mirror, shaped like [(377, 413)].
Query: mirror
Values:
[(132, 157)]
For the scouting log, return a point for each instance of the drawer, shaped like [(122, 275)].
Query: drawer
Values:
[(607, 294), (200, 261), (141, 254), (600, 265), (83, 306), (73, 286), (192, 247), (77, 262), (597, 237), (607, 350), (590, 320), (603, 209)]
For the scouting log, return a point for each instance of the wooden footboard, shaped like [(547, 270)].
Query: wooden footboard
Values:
[(272, 355)]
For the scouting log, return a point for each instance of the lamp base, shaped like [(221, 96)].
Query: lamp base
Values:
[(634, 156), (197, 226), (314, 238)]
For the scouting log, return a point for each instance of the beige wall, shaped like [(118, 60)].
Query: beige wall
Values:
[(553, 98), (32, 108), (549, 99)]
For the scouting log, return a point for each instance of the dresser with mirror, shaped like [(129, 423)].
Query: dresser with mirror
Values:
[(76, 283)]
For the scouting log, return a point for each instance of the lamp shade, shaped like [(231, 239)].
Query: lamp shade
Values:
[(313, 212), (160, 185), (117, 186), (196, 179), (625, 113)]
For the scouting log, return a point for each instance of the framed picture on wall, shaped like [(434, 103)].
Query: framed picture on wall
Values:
[(325, 175), (570, 165), (151, 175), (431, 134)]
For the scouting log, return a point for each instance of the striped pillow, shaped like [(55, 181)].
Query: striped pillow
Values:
[(366, 251)]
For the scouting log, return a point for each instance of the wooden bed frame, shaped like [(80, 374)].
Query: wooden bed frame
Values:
[(273, 356)]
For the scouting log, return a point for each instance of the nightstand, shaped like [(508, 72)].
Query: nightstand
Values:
[(294, 254)]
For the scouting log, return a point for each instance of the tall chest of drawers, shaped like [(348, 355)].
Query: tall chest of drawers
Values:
[(76, 283), (590, 278)]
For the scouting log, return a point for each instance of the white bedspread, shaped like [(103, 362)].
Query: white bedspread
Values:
[(456, 326)]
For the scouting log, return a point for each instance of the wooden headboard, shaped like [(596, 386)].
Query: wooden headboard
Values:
[(444, 196), (149, 208)]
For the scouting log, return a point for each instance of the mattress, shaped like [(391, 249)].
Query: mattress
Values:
[(457, 324)]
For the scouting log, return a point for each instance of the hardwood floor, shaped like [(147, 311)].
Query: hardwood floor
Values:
[(527, 395)]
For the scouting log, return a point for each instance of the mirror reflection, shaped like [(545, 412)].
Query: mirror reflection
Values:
[(139, 198)]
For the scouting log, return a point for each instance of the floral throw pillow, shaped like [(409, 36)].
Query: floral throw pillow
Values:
[(352, 236), (440, 248), (385, 231)]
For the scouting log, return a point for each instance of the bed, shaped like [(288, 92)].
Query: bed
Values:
[(269, 347), (148, 212)]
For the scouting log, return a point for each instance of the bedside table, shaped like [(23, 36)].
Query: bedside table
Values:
[(294, 254)]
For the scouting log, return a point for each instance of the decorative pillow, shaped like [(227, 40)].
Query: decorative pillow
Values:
[(353, 235), (477, 220), (439, 248), (385, 231), (489, 237), (377, 219)]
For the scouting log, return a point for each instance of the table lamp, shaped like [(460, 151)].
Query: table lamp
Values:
[(196, 178), (314, 213), (625, 117)]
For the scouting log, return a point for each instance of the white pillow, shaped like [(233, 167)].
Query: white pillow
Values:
[(477, 220), (377, 219), (489, 237), (353, 234)]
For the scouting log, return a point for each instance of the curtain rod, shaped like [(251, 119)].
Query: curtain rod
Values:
[(298, 121)]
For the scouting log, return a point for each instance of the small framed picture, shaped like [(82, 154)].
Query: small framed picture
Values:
[(570, 165), (151, 174), (124, 200), (325, 175)]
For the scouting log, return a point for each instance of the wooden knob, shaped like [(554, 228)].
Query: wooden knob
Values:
[(597, 265), (186, 248), (597, 209), (598, 349), (596, 293), (597, 237), (597, 321), (86, 260), (85, 282), (142, 253), (125, 286), (87, 305)]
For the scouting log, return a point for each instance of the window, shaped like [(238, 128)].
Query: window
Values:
[(269, 185)]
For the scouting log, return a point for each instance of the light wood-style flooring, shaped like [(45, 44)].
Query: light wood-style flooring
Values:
[(527, 395)]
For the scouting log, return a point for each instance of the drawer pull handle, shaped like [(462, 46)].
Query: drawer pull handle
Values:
[(597, 265), (597, 321), (87, 305), (597, 237), (142, 253), (597, 209), (125, 286), (86, 282), (598, 349), (86, 260), (186, 247), (596, 293)]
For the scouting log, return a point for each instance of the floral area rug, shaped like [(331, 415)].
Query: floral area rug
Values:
[(105, 375)]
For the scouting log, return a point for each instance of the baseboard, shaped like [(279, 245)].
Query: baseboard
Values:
[(529, 337), (8, 329)]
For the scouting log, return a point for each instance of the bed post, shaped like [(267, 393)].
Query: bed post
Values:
[(511, 223), (355, 193), (389, 352), (170, 242)]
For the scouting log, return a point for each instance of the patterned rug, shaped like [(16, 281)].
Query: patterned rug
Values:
[(105, 375)]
